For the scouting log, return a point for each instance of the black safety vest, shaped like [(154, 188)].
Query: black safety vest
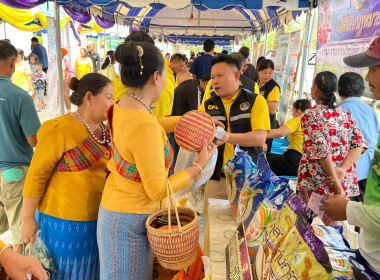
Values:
[(240, 122), (265, 90)]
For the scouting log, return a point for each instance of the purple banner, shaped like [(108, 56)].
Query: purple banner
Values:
[(345, 28), (345, 20)]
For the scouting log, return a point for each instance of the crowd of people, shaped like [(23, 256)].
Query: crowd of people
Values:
[(91, 191)]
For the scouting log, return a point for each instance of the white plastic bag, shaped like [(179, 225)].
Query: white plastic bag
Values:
[(184, 160)]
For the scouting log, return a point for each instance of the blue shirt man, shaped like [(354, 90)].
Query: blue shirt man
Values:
[(18, 120), (201, 65), (350, 89), (40, 51), (19, 124), (367, 120)]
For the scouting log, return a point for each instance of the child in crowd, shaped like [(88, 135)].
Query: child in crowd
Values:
[(39, 83), (287, 164), (32, 60)]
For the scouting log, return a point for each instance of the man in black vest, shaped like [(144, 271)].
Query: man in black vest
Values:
[(243, 113)]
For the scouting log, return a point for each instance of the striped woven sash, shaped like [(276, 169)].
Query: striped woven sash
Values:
[(128, 169), (82, 156)]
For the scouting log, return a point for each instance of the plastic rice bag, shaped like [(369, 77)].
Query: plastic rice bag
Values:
[(271, 205), (330, 237), (301, 255), (237, 170), (278, 228), (256, 187)]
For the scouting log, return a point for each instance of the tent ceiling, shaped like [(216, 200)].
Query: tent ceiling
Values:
[(209, 22), (174, 4), (190, 21), (182, 17)]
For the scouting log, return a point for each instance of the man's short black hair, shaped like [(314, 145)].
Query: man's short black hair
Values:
[(240, 57), (350, 84), (208, 45), (226, 59), (7, 51), (35, 39), (244, 51), (206, 77), (177, 57), (224, 52)]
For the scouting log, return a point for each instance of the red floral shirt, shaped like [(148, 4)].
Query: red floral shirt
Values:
[(328, 133)]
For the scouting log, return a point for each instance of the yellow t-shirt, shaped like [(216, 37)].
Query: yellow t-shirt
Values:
[(84, 66), (1, 244), (259, 120), (66, 195), (165, 104), (119, 88), (20, 76), (274, 95), (207, 93), (295, 138), (140, 139), (109, 72)]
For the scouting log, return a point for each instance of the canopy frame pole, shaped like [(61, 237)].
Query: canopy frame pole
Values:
[(57, 25), (251, 51), (306, 49), (5, 31), (266, 42), (68, 35)]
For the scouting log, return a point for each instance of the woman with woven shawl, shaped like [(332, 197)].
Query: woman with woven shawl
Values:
[(66, 178), (139, 166)]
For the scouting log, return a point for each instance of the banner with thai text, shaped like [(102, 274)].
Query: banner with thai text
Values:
[(345, 28), (287, 88)]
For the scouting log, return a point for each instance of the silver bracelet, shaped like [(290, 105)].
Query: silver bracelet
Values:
[(197, 165)]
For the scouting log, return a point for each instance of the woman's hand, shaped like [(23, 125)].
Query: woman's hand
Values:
[(18, 266), (338, 190), (29, 228), (204, 155)]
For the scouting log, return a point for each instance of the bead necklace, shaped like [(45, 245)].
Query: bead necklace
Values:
[(142, 102), (102, 128)]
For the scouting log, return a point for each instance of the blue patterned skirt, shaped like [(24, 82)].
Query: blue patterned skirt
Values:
[(123, 246), (72, 245)]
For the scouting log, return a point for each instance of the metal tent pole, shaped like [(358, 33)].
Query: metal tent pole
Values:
[(266, 42), (5, 31), (251, 51), (305, 50), (57, 25)]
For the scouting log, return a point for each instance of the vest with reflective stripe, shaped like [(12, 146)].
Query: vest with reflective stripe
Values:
[(240, 122)]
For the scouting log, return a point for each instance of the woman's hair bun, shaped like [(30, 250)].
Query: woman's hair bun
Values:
[(74, 82), (127, 54)]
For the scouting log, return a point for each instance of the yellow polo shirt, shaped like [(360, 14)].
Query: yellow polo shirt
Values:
[(295, 138), (259, 121), (207, 93), (165, 104)]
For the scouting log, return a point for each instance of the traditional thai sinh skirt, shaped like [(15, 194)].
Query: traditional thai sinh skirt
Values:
[(73, 246), (124, 250)]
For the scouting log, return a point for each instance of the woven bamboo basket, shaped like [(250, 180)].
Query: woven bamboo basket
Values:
[(175, 248)]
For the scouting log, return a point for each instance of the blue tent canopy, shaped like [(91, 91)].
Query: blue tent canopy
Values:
[(191, 18)]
